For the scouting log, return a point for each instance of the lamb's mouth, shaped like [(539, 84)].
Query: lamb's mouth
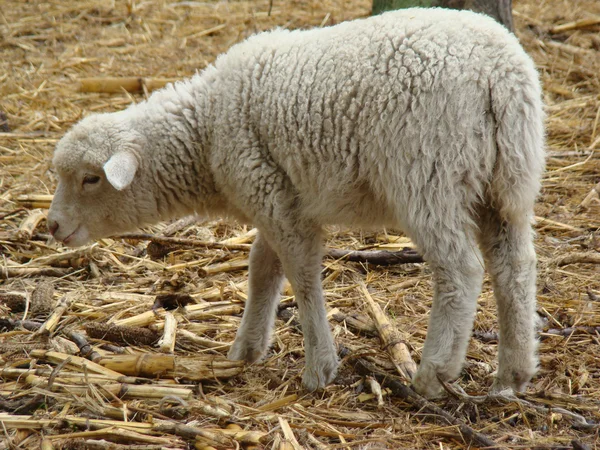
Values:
[(69, 237)]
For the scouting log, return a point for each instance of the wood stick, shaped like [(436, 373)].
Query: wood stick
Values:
[(288, 434), (182, 241), (377, 257), (578, 258), (155, 391), (13, 421), (50, 325), (216, 292), (243, 239), (12, 213), (73, 258), (121, 434), (24, 422), (26, 135), (376, 390), (578, 445), (29, 224), (279, 403), (584, 23), (180, 224), (118, 84), (593, 195), (228, 266), (85, 349), (507, 397), (212, 410), (76, 361), (201, 435), (66, 377), (381, 257), (227, 310), (167, 343), (101, 444), (357, 322), (17, 272), (390, 338), (142, 320), (542, 222), (572, 50), (196, 368), (203, 342), (11, 324), (566, 332), (31, 201), (419, 403), (120, 390), (206, 32), (213, 437), (242, 436), (185, 431), (493, 336), (193, 312)]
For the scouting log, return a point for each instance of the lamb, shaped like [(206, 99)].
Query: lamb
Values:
[(427, 120)]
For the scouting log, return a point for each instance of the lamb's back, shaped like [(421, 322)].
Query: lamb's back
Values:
[(350, 109)]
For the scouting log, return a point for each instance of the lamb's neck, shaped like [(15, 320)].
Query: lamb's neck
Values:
[(176, 123)]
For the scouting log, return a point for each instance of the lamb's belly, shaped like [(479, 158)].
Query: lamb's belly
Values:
[(350, 208)]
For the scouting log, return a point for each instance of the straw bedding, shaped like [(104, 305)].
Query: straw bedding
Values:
[(121, 344)]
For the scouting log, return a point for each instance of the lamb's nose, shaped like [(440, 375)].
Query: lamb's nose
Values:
[(52, 226)]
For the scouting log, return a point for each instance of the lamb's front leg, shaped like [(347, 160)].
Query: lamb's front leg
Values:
[(264, 286), (299, 248)]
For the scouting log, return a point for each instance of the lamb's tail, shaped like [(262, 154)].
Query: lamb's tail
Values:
[(520, 141)]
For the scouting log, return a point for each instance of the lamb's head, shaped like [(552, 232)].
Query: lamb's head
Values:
[(96, 162)]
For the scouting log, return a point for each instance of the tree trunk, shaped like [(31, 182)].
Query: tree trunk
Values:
[(501, 10), (380, 6)]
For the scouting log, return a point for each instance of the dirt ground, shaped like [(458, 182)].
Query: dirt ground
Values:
[(78, 333)]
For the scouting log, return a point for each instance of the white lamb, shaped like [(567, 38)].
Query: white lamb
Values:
[(429, 120)]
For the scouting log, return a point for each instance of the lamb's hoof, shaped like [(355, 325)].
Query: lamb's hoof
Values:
[(319, 374), (426, 383), (513, 382), (241, 350), (409, 368)]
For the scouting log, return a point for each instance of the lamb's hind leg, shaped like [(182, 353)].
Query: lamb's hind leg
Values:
[(457, 274), (511, 261), (264, 286)]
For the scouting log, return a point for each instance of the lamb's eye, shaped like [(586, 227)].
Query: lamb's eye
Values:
[(91, 179)]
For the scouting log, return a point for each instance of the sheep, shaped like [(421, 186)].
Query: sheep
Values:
[(426, 120)]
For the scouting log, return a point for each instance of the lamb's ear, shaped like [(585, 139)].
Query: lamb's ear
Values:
[(120, 169)]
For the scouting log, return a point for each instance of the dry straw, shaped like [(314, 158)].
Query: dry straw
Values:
[(79, 329)]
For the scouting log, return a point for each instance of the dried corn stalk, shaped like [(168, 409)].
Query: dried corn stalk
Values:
[(118, 84), (197, 368), (390, 338), (29, 224), (166, 344)]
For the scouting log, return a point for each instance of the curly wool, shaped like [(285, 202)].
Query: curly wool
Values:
[(429, 120)]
